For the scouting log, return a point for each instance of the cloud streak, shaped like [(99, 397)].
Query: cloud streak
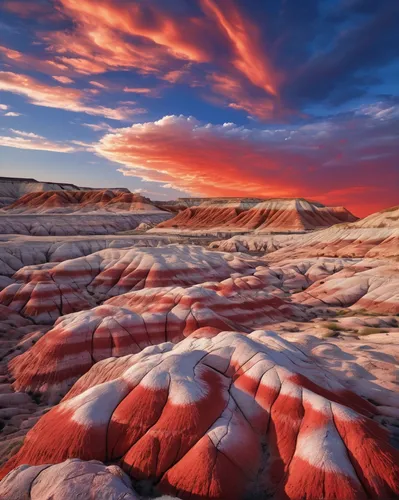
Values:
[(250, 55), (29, 140), (49, 96)]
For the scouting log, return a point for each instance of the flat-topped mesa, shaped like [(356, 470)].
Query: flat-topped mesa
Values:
[(222, 415), (254, 214), (374, 236), (51, 202), (12, 188)]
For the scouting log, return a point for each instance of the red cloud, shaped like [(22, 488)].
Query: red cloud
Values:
[(215, 160), (27, 8), (236, 96), (148, 37), (142, 20), (250, 56)]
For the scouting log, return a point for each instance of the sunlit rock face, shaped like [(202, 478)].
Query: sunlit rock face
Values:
[(257, 215), (375, 236), (151, 296), (129, 323), (13, 188), (92, 223), (51, 202), (222, 415)]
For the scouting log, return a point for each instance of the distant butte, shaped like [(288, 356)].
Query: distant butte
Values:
[(248, 214)]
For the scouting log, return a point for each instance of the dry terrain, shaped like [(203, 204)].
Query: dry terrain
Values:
[(141, 356)]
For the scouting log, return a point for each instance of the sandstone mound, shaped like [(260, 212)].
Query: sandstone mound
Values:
[(385, 218), (341, 242), (115, 271), (369, 285), (19, 251), (228, 416), (44, 301), (51, 202), (129, 323), (71, 479), (262, 216), (349, 241), (81, 223)]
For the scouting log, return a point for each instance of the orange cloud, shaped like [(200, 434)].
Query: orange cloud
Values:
[(132, 19), (251, 59), (138, 90), (49, 96), (236, 96), (98, 84), (228, 160), (28, 8), (63, 79)]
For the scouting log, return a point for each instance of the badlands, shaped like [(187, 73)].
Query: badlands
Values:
[(199, 348)]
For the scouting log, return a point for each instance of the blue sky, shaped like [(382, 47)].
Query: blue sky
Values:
[(101, 94)]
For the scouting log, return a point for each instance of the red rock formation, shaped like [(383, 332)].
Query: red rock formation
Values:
[(128, 323), (385, 218), (268, 215), (80, 201), (370, 285), (80, 223), (222, 417), (115, 271), (19, 251), (44, 301)]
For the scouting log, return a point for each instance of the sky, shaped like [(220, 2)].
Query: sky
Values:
[(252, 98)]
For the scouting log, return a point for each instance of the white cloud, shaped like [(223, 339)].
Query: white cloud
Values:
[(31, 135), (29, 140), (98, 84), (63, 79)]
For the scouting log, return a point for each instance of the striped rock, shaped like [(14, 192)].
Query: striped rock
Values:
[(226, 416), (93, 223), (128, 323), (261, 215), (18, 251), (68, 480), (374, 236), (51, 202), (371, 285), (44, 302), (349, 241), (386, 218), (115, 271)]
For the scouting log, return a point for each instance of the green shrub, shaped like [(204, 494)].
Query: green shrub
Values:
[(333, 327), (369, 330)]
